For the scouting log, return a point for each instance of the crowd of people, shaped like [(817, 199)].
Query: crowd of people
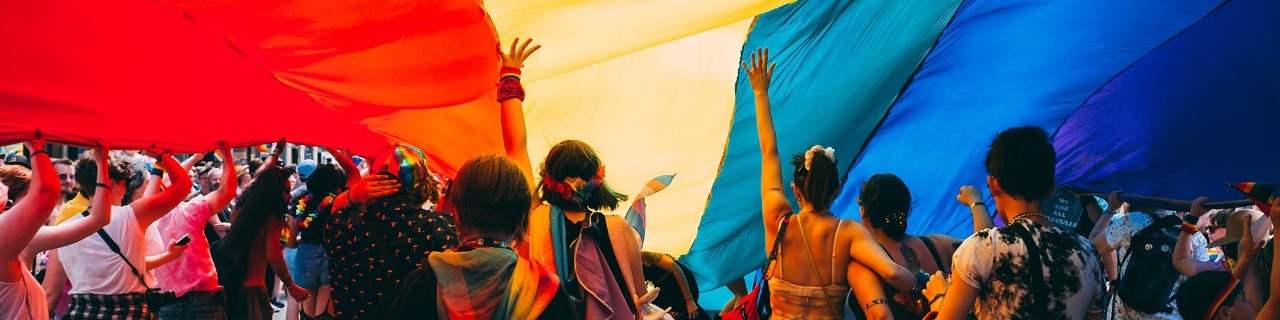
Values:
[(1137, 262), (117, 235)]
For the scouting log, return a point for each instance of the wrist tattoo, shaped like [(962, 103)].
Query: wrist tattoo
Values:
[(876, 302)]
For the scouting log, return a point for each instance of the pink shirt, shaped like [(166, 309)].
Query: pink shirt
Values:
[(193, 271)]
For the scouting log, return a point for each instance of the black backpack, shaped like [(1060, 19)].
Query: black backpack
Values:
[(1149, 277)]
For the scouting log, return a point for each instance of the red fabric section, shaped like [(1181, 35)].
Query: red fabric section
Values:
[(185, 74)]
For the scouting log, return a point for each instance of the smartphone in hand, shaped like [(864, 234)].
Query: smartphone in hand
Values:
[(186, 238)]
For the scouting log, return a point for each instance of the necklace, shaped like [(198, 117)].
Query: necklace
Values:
[(1027, 216), (483, 243)]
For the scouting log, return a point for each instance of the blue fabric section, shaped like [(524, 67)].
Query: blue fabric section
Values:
[(840, 65), (998, 65), (1198, 111)]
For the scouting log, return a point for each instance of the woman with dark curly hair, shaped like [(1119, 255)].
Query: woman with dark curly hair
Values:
[(252, 244)]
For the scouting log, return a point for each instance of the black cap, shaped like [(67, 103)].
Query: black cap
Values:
[(18, 160)]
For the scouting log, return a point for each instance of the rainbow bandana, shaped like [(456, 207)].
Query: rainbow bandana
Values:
[(406, 163), (1259, 193)]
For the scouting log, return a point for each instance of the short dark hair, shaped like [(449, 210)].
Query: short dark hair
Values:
[(490, 196), (326, 179), (1022, 162), (887, 203), (254, 164), (820, 183), (1191, 294), (576, 159), (87, 172)]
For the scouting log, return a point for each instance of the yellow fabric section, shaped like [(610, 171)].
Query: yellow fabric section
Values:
[(72, 208), (648, 84)]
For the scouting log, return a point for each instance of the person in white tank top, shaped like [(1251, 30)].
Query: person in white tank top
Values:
[(22, 229)]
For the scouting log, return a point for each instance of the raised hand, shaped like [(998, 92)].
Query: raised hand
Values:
[(1197, 207), (103, 154), (759, 70), (1114, 202), (36, 144), (969, 195), (514, 58), (1249, 248)]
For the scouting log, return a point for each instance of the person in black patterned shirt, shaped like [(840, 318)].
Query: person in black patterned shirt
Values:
[(379, 231), (997, 269)]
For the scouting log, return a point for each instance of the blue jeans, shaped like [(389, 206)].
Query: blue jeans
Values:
[(196, 306)]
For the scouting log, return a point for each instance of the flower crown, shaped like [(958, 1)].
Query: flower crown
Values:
[(808, 155), (574, 189)]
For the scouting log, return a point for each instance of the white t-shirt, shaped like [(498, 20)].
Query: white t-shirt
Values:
[(93, 268), (23, 300)]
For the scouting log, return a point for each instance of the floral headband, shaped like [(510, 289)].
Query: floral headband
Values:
[(574, 189), (808, 155)]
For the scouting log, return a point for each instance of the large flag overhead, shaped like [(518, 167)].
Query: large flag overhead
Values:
[(912, 87)]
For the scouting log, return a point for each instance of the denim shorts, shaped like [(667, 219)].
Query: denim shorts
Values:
[(308, 265)]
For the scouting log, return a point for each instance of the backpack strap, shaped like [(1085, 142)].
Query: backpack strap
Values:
[(116, 248), (777, 245), (1039, 288)]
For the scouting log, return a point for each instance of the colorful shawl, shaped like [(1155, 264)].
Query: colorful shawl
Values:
[(498, 285)]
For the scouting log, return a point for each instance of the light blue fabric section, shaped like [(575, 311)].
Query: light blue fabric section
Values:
[(840, 65), (998, 65)]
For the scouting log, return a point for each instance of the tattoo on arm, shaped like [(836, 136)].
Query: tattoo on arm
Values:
[(876, 302)]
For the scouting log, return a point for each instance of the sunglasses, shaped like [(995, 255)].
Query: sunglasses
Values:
[(66, 176)]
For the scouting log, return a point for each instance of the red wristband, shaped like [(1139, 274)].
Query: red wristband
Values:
[(511, 70), (1187, 227)]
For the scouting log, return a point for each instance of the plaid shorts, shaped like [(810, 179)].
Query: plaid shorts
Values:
[(131, 306)]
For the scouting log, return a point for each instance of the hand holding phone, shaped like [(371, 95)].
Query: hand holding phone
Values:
[(186, 238)]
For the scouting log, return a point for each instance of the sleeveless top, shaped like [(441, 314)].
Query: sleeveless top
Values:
[(813, 301), (898, 310)]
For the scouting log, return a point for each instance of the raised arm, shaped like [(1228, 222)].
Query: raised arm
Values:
[(274, 157), (773, 201), (219, 199), (53, 237), (514, 136), (150, 209), (19, 224), (348, 166), (972, 198), (1182, 259)]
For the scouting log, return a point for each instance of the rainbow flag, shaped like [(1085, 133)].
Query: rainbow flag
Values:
[(1259, 193), (636, 214)]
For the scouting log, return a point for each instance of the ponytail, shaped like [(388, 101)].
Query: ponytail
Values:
[(817, 177)]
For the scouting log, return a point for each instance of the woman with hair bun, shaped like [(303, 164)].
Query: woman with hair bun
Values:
[(885, 205), (819, 257)]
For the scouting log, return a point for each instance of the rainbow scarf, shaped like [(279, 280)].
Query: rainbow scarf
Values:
[(499, 285)]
